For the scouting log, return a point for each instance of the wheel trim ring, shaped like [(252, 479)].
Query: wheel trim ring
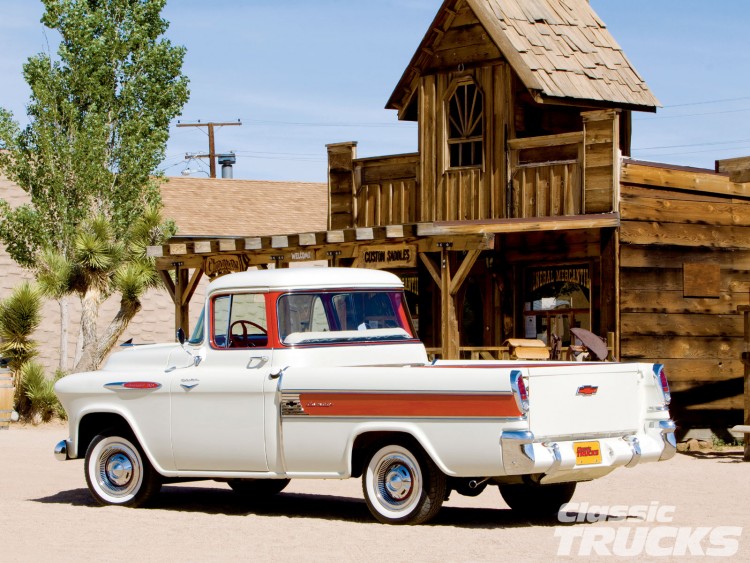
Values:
[(397, 484), (111, 481)]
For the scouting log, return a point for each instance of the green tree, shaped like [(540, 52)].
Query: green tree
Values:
[(99, 119)]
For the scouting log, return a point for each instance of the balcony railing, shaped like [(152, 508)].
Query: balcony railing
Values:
[(385, 190), (546, 176)]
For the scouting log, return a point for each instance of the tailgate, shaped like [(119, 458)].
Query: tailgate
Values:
[(584, 399)]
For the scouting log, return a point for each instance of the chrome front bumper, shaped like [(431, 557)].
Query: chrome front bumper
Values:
[(61, 451)]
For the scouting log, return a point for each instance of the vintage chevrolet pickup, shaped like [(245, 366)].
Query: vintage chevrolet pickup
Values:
[(318, 373)]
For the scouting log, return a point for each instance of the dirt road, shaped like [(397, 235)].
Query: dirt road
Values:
[(698, 504)]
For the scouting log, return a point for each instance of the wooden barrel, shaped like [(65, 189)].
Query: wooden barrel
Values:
[(6, 399)]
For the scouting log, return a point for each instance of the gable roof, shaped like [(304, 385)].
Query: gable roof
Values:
[(558, 48), (216, 207)]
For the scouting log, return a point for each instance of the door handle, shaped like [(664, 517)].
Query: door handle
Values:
[(256, 362)]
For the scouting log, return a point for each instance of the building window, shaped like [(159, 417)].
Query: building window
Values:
[(465, 126), (557, 299)]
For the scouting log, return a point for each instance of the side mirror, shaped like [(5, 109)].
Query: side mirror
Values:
[(180, 336)]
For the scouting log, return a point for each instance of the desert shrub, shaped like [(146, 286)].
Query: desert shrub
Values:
[(41, 400)]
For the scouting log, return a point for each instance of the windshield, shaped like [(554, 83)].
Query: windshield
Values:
[(326, 317), (197, 337)]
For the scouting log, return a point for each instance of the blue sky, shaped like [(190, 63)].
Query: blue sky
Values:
[(301, 74)]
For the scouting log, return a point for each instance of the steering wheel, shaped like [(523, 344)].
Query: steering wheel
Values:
[(244, 324)]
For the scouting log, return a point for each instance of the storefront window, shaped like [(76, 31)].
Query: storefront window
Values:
[(557, 299)]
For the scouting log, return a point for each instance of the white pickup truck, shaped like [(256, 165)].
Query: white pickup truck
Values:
[(318, 373)]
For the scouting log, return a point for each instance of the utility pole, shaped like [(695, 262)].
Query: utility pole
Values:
[(211, 149)]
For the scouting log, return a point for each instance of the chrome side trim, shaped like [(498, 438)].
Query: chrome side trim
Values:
[(518, 452), (61, 450), (667, 428), (291, 405), (635, 446)]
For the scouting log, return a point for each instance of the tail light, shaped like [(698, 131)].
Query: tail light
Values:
[(520, 392), (661, 379)]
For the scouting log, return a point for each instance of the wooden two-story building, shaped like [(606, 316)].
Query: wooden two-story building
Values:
[(522, 215)]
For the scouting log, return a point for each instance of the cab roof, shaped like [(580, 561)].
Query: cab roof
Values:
[(288, 279)]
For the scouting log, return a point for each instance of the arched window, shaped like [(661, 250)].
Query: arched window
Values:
[(465, 126)]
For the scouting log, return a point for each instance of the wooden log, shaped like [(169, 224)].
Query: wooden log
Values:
[(663, 324), (673, 301), (682, 179), (712, 236), (658, 348)]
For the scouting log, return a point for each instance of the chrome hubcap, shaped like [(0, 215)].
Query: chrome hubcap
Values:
[(119, 470), (118, 473), (398, 482)]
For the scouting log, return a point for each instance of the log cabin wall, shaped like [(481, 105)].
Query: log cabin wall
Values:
[(684, 270)]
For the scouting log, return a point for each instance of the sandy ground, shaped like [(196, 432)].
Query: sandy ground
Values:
[(48, 515)]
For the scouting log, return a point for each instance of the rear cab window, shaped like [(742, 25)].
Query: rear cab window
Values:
[(331, 317)]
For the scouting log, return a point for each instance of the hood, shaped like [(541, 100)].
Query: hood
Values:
[(149, 356)]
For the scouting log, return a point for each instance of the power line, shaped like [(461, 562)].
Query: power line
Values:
[(706, 144)]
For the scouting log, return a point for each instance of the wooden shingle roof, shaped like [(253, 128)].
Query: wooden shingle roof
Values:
[(558, 48), (216, 207)]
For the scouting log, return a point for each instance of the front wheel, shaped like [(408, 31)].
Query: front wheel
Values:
[(117, 471), (537, 500), (402, 485)]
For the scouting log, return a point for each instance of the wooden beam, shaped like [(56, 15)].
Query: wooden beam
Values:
[(497, 226), (192, 286), (706, 182), (737, 168), (431, 267), (545, 141), (167, 281), (463, 270)]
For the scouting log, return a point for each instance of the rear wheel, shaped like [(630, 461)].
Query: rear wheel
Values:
[(117, 471), (402, 485), (537, 500), (258, 488)]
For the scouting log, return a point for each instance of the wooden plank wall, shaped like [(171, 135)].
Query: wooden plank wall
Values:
[(685, 268)]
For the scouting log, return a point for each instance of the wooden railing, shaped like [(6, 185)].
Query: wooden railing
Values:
[(505, 352), (386, 190), (546, 176)]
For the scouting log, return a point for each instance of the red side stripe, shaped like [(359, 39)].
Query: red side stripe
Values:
[(408, 405)]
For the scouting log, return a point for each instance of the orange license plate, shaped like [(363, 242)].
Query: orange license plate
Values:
[(587, 453)]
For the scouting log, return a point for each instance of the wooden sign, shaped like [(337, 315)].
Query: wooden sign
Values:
[(578, 275), (388, 256), (224, 264)]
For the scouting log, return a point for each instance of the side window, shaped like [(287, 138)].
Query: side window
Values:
[(239, 321)]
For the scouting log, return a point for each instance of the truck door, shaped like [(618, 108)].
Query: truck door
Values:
[(217, 419)]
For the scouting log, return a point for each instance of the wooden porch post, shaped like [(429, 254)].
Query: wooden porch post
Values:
[(449, 323), (449, 286), (181, 290), (181, 309)]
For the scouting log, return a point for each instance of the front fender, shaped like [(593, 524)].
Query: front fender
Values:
[(96, 418)]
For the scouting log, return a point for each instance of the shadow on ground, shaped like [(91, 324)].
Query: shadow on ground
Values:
[(297, 505)]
